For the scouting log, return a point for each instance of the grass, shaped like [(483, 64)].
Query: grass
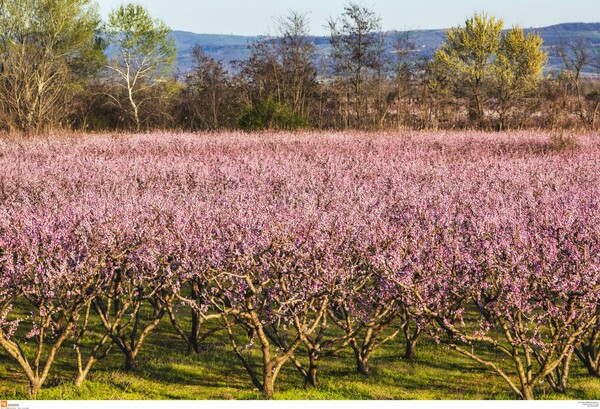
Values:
[(165, 371)]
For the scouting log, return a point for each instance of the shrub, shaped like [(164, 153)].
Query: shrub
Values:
[(270, 114)]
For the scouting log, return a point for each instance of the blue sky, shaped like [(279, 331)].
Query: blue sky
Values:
[(253, 17)]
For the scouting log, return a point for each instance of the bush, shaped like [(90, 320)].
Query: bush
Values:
[(270, 114)]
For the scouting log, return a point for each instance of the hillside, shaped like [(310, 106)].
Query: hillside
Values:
[(228, 48)]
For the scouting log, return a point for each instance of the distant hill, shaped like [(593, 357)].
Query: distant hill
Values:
[(228, 48)]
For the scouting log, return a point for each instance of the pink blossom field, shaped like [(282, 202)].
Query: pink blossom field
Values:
[(294, 253)]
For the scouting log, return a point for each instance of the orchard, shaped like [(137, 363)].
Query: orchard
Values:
[(296, 250)]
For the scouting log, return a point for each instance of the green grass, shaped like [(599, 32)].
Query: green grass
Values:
[(165, 371)]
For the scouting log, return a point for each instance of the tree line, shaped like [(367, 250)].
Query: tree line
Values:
[(62, 67)]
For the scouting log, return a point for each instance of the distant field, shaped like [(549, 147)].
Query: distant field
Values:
[(317, 251)]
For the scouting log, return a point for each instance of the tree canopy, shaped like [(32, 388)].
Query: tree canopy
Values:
[(479, 62), (145, 53), (47, 47)]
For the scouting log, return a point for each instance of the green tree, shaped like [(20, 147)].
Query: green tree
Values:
[(482, 64), (518, 69), (48, 48), (144, 55), (465, 60)]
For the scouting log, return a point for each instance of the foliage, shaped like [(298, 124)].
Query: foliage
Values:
[(466, 59), (519, 64), (145, 53), (269, 114), (479, 62), (48, 48)]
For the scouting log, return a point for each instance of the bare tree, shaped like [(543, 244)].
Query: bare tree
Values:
[(207, 92), (356, 51), (575, 56), (404, 72), (281, 67), (296, 52), (261, 74)]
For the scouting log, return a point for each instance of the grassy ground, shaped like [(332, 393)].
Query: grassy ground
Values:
[(165, 371)]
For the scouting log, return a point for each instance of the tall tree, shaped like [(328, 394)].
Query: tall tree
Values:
[(356, 50), (404, 71), (518, 69), (144, 55), (47, 47), (281, 67), (465, 59), (575, 56), (297, 53), (261, 75), (206, 95)]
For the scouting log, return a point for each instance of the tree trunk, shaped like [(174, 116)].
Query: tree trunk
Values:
[(362, 365), (502, 120), (193, 338), (593, 116), (311, 378), (268, 388), (129, 361), (411, 337), (410, 348), (527, 392), (591, 362), (136, 117), (84, 373), (559, 383), (35, 386)]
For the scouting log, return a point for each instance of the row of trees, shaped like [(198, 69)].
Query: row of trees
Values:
[(56, 74), (297, 250)]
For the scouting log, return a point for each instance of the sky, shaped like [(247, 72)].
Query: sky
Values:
[(255, 17)]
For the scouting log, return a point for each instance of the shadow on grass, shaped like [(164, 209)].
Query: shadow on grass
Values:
[(166, 371)]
